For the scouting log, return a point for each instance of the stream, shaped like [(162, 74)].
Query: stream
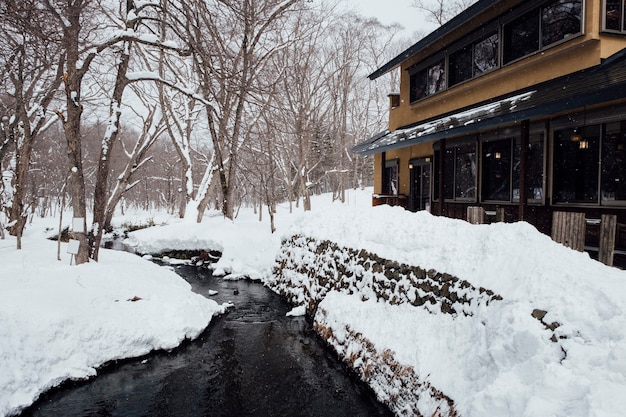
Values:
[(252, 361)]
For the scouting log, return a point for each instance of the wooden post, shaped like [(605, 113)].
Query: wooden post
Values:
[(476, 215), (500, 215), (569, 229), (608, 225)]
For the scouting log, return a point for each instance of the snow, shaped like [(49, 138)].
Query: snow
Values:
[(499, 361)]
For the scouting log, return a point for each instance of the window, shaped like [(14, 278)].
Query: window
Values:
[(576, 165), (459, 172), (615, 15), (486, 54), (501, 169), (542, 27), (496, 175), (534, 168), (521, 37), (474, 60), (461, 65), (428, 81), (418, 86), (390, 177), (560, 19), (613, 182)]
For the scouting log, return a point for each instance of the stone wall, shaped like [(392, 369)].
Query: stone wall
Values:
[(307, 269)]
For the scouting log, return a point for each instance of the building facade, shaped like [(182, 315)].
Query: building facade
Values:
[(516, 106)]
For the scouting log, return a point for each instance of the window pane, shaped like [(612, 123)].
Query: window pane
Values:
[(448, 175), (613, 15), (437, 78), (486, 54), (560, 19), (521, 37), (576, 166), (497, 170), (613, 185), (418, 86), (465, 172), (534, 168), (461, 65), (390, 178)]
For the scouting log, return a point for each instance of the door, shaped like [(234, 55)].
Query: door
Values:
[(420, 184)]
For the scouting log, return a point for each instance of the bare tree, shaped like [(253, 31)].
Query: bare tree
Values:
[(231, 42), (440, 11), (32, 73)]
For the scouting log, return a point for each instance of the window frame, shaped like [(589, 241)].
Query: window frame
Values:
[(392, 166), (621, 20), (452, 150)]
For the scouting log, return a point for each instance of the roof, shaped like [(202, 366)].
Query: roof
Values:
[(603, 83), (459, 20)]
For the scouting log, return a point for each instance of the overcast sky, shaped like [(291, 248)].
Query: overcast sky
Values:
[(394, 11)]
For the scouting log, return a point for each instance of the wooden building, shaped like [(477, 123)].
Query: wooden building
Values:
[(514, 106)]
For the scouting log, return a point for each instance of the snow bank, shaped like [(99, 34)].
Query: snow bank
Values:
[(61, 322), (500, 360)]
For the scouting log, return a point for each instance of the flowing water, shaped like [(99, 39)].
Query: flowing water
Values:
[(252, 361)]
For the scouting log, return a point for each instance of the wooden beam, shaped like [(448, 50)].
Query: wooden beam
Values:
[(569, 228)]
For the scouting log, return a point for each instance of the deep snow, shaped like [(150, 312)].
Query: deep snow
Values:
[(500, 362)]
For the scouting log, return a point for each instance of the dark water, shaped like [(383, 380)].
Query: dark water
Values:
[(253, 361)]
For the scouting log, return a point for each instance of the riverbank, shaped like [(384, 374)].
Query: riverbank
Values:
[(62, 321)]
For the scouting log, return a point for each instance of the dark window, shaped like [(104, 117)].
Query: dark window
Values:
[(459, 177), (486, 54), (560, 19), (428, 81), (390, 177), (534, 168), (448, 175), (418, 85), (461, 65), (465, 172), (496, 175), (613, 183), (474, 60), (615, 15), (576, 164), (521, 36)]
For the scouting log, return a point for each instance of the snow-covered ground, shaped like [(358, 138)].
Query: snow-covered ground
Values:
[(59, 321)]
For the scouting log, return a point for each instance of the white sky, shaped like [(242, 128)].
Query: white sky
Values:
[(394, 11)]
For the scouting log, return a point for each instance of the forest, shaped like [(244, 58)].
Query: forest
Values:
[(183, 106)]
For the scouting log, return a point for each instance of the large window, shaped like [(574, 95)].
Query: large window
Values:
[(497, 160), (501, 169), (615, 15), (542, 27), (560, 20), (459, 182), (534, 168), (576, 165), (428, 81), (521, 37), (590, 164), (474, 59), (613, 179)]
